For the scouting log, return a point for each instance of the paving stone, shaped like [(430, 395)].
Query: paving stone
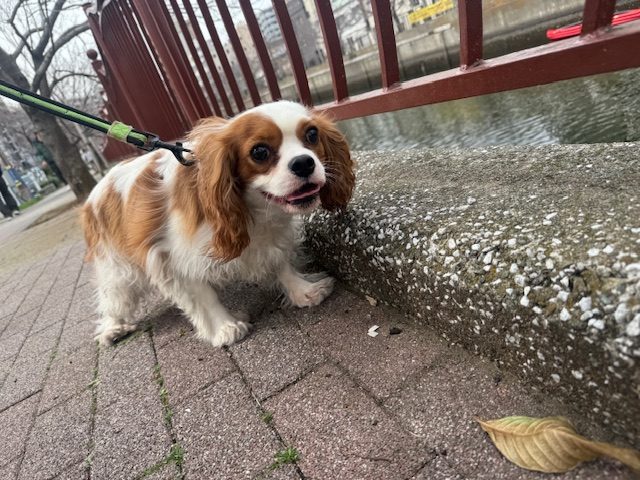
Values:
[(15, 423), (5, 367), (54, 308), (442, 404), (42, 341), (78, 335), (86, 275), (9, 306), (9, 346), (249, 298), (130, 437), (275, 354), (70, 271), (336, 303), (188, 364), (21, 324), (83, 304), (438, 469), (4, 323), (35, 298), (341, 432), (224, 418), (24, 379), (170, 325), (59, 439), (167, 472), (126, 371), (60, 254), (70, 374), (75, 472), (381, 363), (10, 470)]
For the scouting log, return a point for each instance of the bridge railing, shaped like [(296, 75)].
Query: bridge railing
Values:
[(168, 63)]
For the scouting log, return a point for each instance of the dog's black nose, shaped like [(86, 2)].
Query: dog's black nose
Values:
[(302, 165)]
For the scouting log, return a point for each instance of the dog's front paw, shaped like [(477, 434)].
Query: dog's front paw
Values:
[(106, 337), (229, 333), (312, 294)]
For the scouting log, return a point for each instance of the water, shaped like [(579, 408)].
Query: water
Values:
[(602, 108)]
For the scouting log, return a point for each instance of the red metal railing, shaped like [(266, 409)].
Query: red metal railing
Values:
[(161, 67)]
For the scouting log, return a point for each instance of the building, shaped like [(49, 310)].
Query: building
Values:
[(354, 20), (307, 34)]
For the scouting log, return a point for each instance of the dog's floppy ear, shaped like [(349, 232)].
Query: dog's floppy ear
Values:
[(338, 164), (219, 190)]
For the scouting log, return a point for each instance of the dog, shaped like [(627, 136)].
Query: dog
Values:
[(232, 216)]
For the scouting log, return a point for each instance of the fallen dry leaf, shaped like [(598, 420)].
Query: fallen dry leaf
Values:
[(550, 444)]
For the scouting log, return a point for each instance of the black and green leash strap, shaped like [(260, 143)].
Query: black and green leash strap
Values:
[(117, 130)]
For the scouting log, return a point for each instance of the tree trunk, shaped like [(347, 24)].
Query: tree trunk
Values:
[(65, 153)]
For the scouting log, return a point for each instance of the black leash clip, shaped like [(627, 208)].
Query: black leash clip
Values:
[(176, 148)]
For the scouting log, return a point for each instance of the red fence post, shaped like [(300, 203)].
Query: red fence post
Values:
[(261, 48), (222, 56), (470, 21), (180, 58), (597, 15), (386, 43), (289, 35), (129, 79), (115, 72), (207, 57), (334, 50), (156, 26), (237, 48), (186, 35), (172, 123)]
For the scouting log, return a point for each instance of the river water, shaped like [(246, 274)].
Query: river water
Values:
[(602, 108)]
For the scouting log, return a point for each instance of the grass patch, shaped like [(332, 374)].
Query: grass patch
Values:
[(285, 457), (175, 456), (164, 395), (127, 338), (93, 386), (29, 203), (266, 417)]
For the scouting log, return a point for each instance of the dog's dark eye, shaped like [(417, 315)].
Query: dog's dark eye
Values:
[(311, 136), (260, 153)]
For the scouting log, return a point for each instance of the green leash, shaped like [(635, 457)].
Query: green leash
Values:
[(118, 130)]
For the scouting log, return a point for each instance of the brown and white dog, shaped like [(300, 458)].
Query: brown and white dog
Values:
[(232, 216)]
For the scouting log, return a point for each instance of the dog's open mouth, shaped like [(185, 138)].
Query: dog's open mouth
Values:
[(305, 195)]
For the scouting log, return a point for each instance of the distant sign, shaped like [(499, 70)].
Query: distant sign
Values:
[(433, 9)]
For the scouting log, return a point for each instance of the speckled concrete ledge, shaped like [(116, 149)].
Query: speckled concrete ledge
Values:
[(529, 256)]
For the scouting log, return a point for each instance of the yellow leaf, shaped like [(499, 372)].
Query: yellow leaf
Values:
[(550, 444)]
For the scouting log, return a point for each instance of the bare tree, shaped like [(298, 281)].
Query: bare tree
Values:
[(39, 34), (396, 19)]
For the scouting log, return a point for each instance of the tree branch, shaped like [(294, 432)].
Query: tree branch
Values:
[(24, 40), (57, 80), (49, 22), (66, 37)]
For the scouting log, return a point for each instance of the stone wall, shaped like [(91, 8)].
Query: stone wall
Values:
[(529, 256)]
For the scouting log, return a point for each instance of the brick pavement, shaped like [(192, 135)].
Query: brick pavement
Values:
[(162, 405)]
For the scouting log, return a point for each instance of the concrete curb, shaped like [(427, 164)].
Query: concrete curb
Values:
[(529, 256)]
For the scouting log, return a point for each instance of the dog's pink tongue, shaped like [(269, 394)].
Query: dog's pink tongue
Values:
[(297, 196)]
